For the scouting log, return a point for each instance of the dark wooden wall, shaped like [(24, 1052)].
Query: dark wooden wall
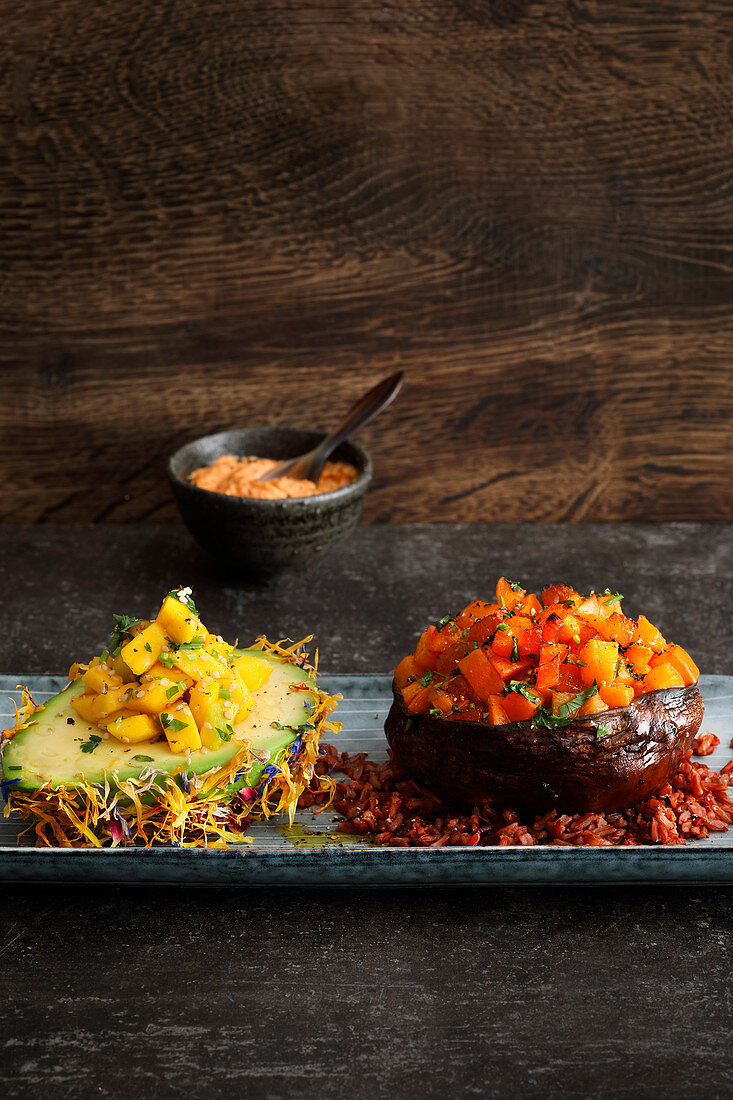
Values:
[(222, 212)]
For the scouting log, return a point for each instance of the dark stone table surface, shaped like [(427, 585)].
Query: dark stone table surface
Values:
[(281, 992)]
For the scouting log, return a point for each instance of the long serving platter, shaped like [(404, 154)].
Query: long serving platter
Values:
[(278, 854)]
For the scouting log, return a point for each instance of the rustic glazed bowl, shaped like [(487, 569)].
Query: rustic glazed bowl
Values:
[(264, 537)]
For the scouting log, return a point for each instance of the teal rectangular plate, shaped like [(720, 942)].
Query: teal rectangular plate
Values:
[(273, 858)]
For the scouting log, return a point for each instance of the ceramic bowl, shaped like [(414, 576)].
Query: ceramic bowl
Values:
[(264, 537)]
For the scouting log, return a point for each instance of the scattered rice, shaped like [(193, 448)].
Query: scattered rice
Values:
[(381, 801)]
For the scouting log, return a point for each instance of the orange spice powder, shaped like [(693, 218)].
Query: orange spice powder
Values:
[(237, 477)]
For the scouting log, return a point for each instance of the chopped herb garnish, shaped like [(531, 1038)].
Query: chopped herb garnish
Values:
[(122, 630), (91, 744), (602, 730), (547, 720), (183, 595), (575, 661), (148, 647), (167, 660), (224, 694), (168, 722), (297, 730), (171, 691), (226, 733), (444, 622), (514, 585), (195, 643), (13, 768), (408, 724), (515, 651), (143, 759), (426, 679), (436, 712)]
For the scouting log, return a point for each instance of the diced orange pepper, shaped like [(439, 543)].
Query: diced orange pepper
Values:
[(477, 609), (407, 667), (497, 714), (447, 661), (648, 635), (616, 695), (682, 661), (503, 643), (439, 700), (575, 630), (509, 670), (416, 697), (560, 698), (554, 593), (530, 605), (518, 708), (548, 674), (600, 658), (570, 678), (594, 705), (638, 657), (481, 674), (506, 596), (482, 629), (529, 641), (550, 650), (663, 675)]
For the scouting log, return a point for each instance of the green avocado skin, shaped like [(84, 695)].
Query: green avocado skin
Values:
[(50, 749)]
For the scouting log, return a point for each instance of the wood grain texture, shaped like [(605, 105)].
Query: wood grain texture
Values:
[(213, 215)]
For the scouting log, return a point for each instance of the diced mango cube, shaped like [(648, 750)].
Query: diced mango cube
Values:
[(236, 697), (99, 676), (83, 705), (177, 620), (107, 703), (179, 727), (158, 689), (208, 713), (134, 728), (197, 663), (142, 652), (254, 672)]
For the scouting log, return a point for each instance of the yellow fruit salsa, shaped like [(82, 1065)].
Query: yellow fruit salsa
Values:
[(169, 678)]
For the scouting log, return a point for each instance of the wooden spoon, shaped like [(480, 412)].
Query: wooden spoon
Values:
[(309, 465)]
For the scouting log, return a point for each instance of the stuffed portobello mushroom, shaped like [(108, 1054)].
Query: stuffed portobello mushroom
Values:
[(551, 702)]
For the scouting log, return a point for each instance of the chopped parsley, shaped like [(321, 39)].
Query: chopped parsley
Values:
[(143, 759), (611, 597), (436, 712), (515, 651), (602, 730), (224, 694), (547, 720), (122, 631), (14, 767), (186, 647), (297, 730), (91, 744), (171, 691), (167, 660), (444, 621), (226, 733), (183, 595), (168, 722), (514, 585), (148, 647)]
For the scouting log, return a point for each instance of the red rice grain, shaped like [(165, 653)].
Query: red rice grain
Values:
[(705, 744), (382, 802)]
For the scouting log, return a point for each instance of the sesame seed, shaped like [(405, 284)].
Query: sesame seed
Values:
[(139, 694)]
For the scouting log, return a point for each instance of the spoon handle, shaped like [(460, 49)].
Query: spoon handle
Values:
[(310, 465), (365, 409)]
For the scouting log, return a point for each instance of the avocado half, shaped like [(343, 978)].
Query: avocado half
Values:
[(49, 750), (576, 769)]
